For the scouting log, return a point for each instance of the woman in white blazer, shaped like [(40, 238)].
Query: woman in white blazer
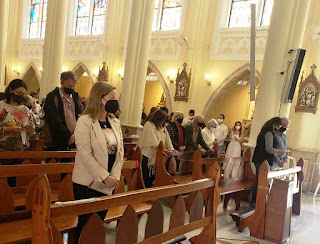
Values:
[(207, 133), (99, 144)]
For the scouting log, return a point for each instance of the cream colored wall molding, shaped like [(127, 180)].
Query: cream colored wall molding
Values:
[(84, 48), (31, 49), (233, 43), (165, 49), (313, 33)]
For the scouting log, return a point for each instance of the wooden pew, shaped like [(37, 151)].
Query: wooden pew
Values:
[(229, 188), (44, 230), (257, 217)]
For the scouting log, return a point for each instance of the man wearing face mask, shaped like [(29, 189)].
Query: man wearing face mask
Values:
[(62, 111), (221, 133), (188, 120), (194, 137), (281, 137)]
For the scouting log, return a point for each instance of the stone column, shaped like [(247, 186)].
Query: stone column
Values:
[(53, 45), (286, 31), (4, 7), (136, 64)]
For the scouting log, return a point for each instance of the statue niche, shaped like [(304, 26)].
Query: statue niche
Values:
[(103, 73), (308, 93), (182, 85)]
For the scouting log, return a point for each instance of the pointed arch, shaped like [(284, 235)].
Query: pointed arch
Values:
[(32, 78), (163, 84), (85, 82), (80, 68), (226, 83)]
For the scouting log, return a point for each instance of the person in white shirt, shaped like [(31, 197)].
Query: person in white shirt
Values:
[(208, 133), (221, 133), (188, 120)]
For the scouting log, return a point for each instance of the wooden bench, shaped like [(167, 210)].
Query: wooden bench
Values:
[(236, 189), (44, 230), (257, 218)]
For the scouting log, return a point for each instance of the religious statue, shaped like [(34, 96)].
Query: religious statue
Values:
[(308, 93), (103, 73), (182, 85)]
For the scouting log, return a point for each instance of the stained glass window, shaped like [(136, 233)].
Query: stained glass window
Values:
[(167, 15), (90, 17), (38, 15), (240, 12), (266, 14)]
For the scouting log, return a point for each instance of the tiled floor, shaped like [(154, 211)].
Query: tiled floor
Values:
[(305, 229)]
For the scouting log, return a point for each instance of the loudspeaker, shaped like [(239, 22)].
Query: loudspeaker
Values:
[(295, 73)]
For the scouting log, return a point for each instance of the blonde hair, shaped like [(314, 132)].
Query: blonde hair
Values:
[(175, 115), (98, 90)]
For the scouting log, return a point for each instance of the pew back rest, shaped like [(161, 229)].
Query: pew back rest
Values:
[(128, 226)]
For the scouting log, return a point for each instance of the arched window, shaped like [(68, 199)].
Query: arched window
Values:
[(90, 17), (37, 18), (240, 12), (167, 15)]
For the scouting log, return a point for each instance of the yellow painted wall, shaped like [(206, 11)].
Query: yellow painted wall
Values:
[(152, 95), (83, 86), (233, 105)]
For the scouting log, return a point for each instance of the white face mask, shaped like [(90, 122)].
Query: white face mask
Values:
[(220, 120), (212, 129), (238, 127)]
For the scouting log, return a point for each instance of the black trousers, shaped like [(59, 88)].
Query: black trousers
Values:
[(83, 192), (148, 173), (255, 188)]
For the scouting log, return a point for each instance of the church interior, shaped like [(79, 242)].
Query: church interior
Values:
[(201, 55)]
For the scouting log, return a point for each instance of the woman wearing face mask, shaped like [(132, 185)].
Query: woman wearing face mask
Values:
[(177, 132), (233, 168), (97, 134), (152, 134), (17, 122), (208, 133), (266, 146)]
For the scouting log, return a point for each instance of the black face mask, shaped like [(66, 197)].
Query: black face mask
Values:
[(16, 98), (29, 107), (68, 90), (111, 106), (179, 120), (282, 129), (201, 124)]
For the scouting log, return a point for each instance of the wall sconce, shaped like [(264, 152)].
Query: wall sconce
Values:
[(40, 69), (95, 73), (171, 76), (64, 69), (207, 79), (16, 70), (121, 73)]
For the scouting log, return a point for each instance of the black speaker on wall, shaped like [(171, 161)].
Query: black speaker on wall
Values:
[(295, 73)]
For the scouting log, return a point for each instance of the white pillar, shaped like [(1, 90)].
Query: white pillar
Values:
[(136, 64), (53, 45), (286, 31), (4, 6)]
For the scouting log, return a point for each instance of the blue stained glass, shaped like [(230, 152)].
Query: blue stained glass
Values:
[(34, 13), (83, 8)]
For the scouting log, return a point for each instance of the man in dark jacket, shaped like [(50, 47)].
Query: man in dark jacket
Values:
[(61, 112), (194, 137)]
